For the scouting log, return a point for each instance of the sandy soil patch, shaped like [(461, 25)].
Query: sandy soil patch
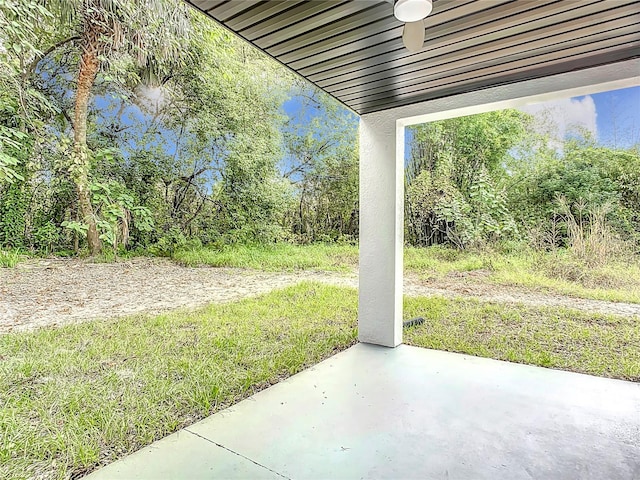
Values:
[(61, 291), (55, 292)]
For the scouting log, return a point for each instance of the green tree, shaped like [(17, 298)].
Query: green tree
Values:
[(587, 176), (454, 178), (104, 31), (22, 110), (321, 162), (200, 149)]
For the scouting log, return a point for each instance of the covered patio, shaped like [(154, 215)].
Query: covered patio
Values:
[(405, 412)]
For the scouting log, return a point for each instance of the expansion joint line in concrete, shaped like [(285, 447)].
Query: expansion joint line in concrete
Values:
[(236, 453)]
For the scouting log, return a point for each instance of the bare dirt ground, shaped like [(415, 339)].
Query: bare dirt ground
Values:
[(56, 292)]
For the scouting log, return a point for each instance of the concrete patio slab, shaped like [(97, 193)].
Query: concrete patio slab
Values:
[(373, 412), (184, 455)]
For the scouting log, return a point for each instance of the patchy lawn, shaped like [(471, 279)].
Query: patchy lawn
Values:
[(554, 272), (565, 339), (77, 397)]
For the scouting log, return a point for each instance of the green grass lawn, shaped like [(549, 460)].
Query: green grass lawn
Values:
[(565, 339), (276, 257), (77, 397)]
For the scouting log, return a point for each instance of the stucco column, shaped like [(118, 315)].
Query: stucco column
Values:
[(381, 230)]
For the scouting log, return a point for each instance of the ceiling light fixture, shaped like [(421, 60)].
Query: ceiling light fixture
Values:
[(412, 10)]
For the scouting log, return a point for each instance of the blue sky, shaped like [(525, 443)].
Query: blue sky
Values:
[(618, 116)]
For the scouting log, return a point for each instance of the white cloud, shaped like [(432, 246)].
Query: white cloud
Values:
[(566, 115)]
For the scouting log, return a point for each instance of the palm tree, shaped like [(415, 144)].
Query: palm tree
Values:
[(151, 32)]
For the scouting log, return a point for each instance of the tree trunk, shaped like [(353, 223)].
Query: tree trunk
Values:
[(88, 70)]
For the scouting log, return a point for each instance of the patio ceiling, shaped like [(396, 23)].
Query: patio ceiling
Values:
[(353, 49)]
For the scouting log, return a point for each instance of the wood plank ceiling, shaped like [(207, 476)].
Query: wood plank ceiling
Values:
[(354, 51)]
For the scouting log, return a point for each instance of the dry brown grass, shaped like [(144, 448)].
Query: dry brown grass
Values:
[(591, 239)]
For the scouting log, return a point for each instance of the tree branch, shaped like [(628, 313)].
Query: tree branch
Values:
[(32, 66)]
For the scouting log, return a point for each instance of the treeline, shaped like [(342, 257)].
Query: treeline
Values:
[(119, 132), (494, 178)]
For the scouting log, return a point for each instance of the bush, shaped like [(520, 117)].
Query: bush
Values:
[(173, 240), (46, 237)]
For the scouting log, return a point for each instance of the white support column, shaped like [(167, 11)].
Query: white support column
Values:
[(381, 230)]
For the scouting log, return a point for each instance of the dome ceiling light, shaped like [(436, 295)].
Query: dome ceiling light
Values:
[(412, 10)]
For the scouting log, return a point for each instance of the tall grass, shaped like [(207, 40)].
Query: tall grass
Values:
[(590, 237), (559, 271), (11, 258), (438, 261)]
